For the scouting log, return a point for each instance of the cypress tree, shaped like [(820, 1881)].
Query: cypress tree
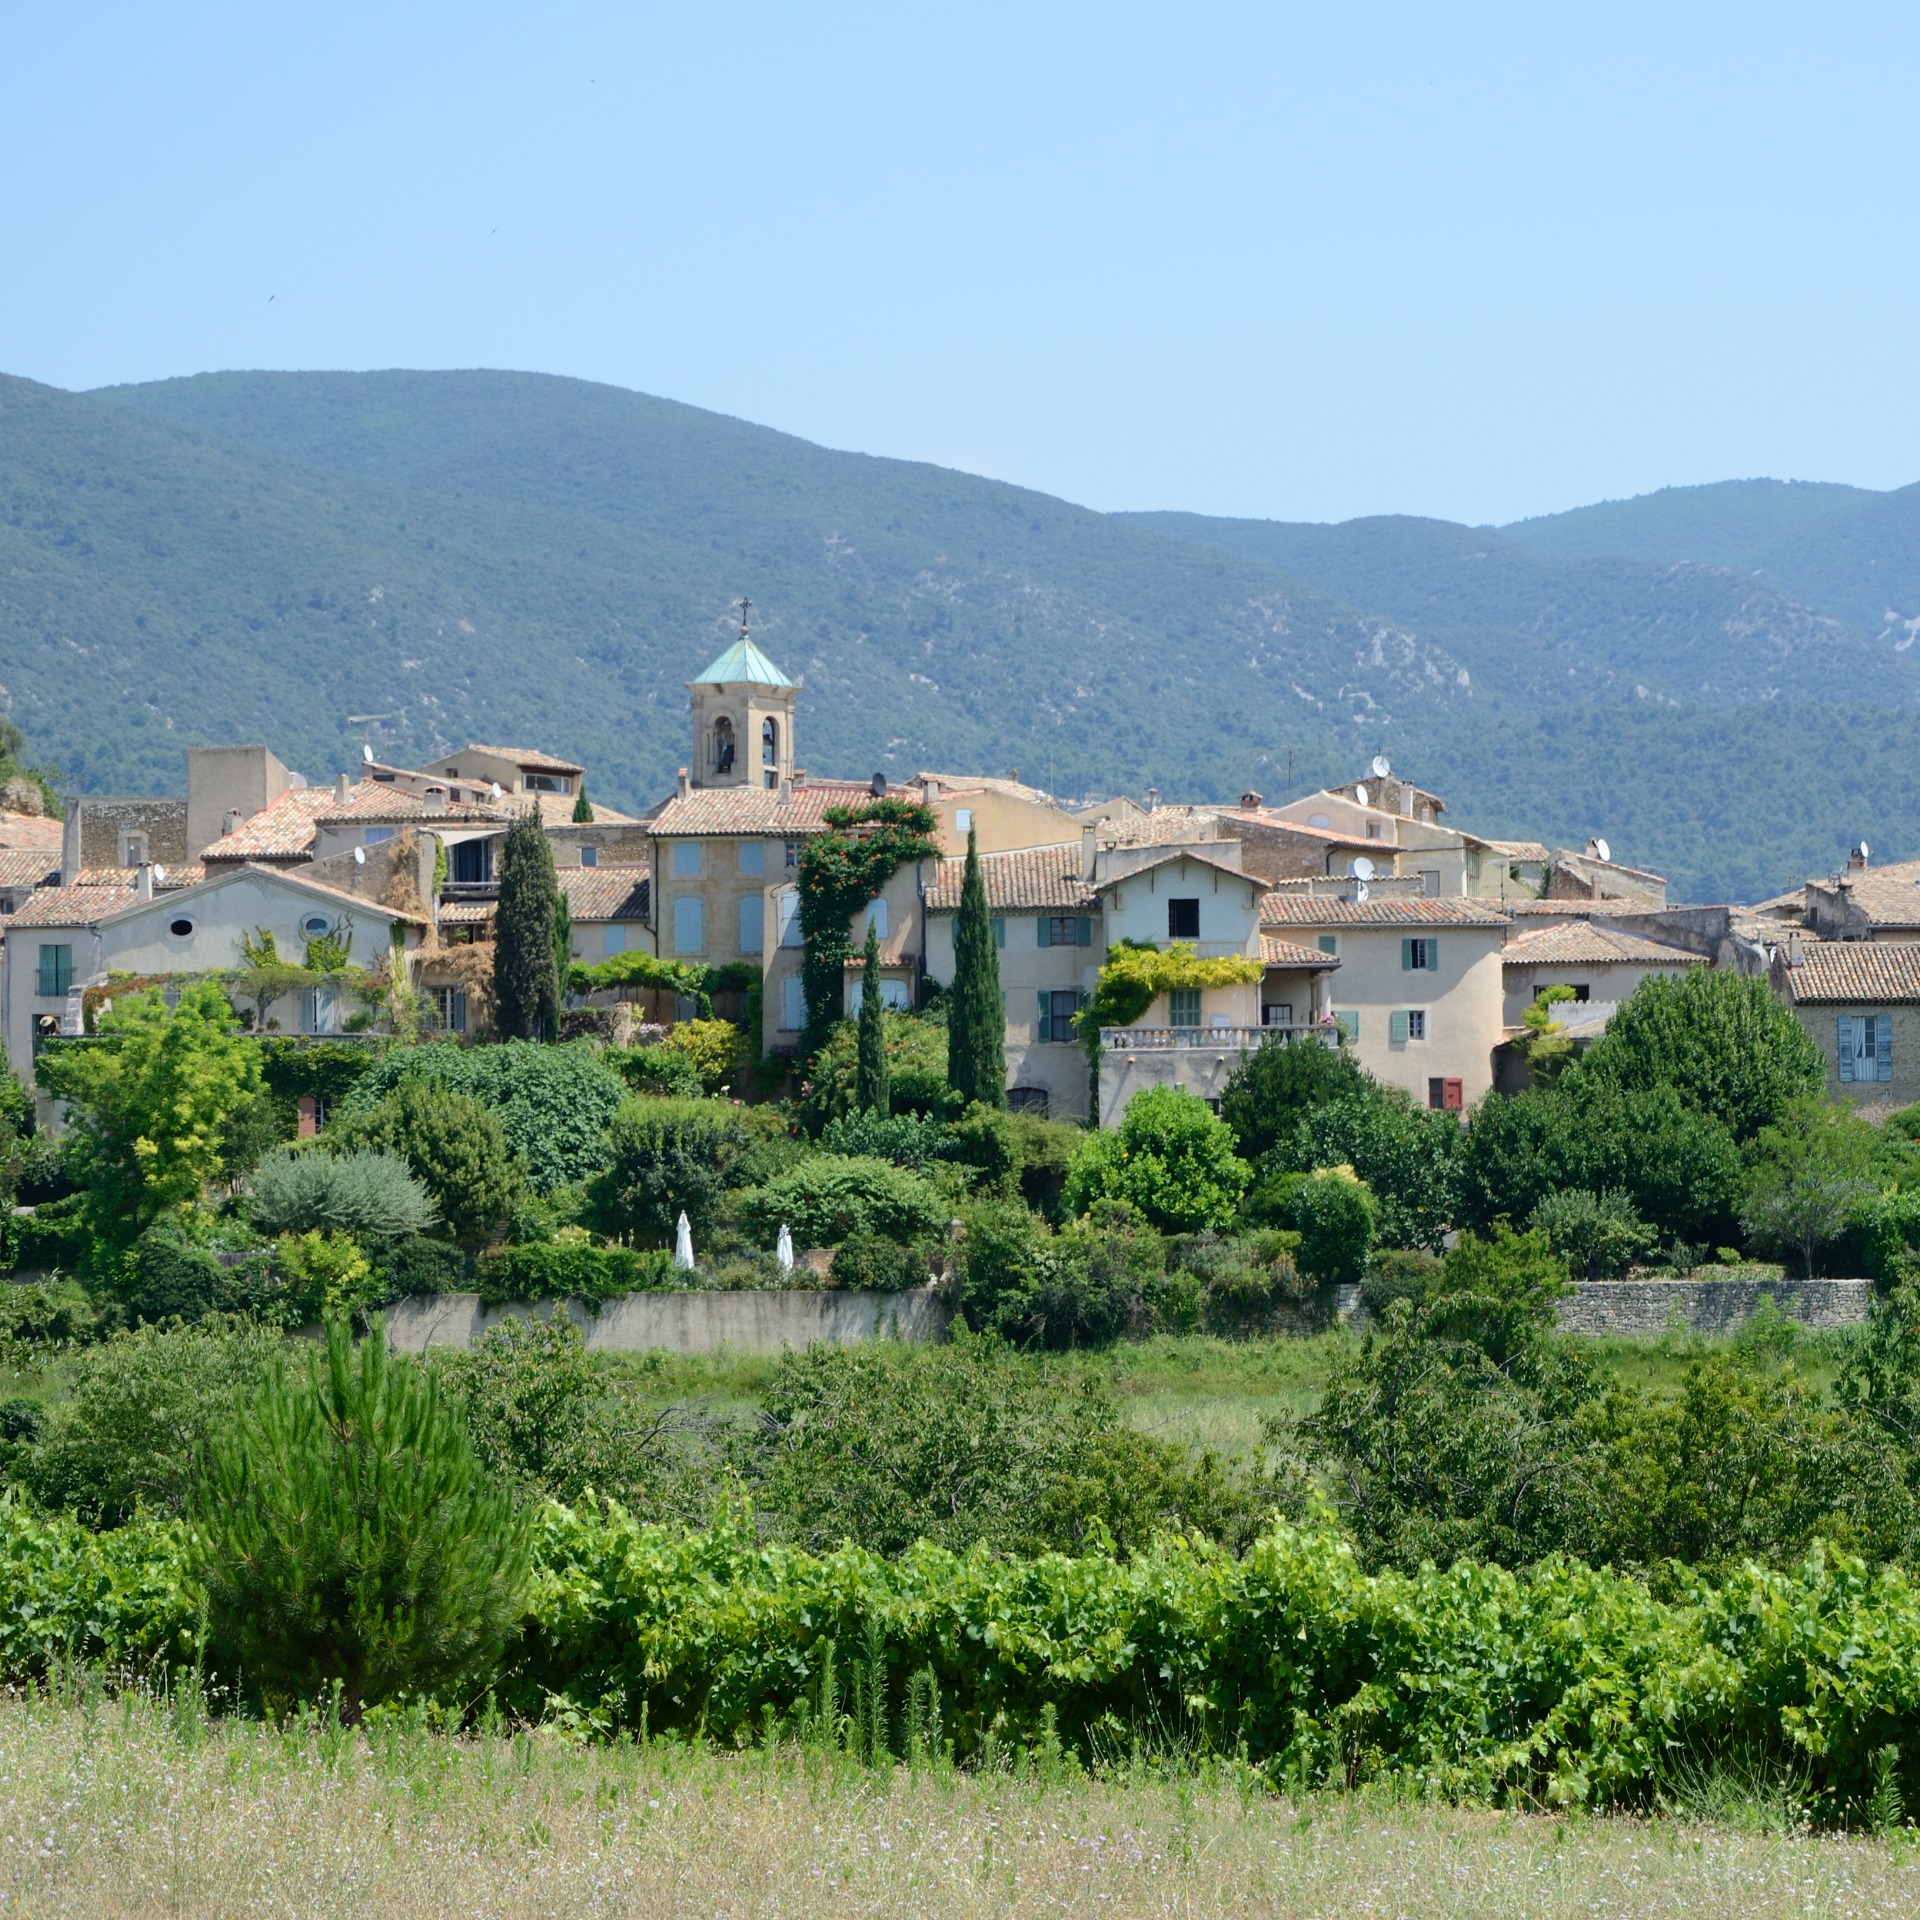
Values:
[(871, 1092), (977, 1024), (526, 982), (582, 812)]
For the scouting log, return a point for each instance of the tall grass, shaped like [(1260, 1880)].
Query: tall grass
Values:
[(140, 1805)]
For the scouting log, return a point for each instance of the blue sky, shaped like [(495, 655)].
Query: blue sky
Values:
[(1297, 262)]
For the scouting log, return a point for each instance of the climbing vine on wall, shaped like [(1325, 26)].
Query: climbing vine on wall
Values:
[(840, 871), (1137, 973)]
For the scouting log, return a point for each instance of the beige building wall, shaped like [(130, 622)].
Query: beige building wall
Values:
[(1604, 980), (1136, 906), (1877, 1098), (223, 780), (1001, 822)]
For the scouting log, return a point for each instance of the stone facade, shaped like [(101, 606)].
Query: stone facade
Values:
[(1639, 1308)]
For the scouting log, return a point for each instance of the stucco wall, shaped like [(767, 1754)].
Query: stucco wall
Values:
[(1604, 980), (1823, 1028), (1136, 906), (683, 1322)]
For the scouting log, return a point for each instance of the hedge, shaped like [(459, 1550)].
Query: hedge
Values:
[(549, 1270), (1563, 1684)]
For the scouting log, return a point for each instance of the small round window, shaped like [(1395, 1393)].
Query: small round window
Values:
[(180, 929), (316, 924)]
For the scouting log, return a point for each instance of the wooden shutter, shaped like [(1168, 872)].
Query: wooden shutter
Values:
[(999, 931), (1406, 956), (1846, 1046), (1432, 955), (1046, 1014), (1046, 930), (1455, 1096), (1349, 1024), (1397, 1026), (1883, 1046), (1086, 929)]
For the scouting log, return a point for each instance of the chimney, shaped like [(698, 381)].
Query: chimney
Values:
[(686, 783), (433, 799), (1252, 802), (343, 791), (230, 822), (930, 792), (1857, 858), (1153, 799), (143, 880), (1089, 851)]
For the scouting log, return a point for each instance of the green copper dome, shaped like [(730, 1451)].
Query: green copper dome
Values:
[(742, 661)]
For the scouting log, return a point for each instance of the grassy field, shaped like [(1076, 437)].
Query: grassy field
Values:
[(122, 1808)]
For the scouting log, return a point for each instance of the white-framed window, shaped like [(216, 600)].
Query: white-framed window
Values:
[(686, 858), (753, 856), (876, 919), (1420, 955), (689, 925), (963, 819), (793, 1004), (1866, 1047), (320, 1010), (548, 783), (752, 916), (450, 1009), (1405, 1024), (787, 908), (893, 994)]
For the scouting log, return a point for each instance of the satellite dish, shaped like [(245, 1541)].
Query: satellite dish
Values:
[(366, 753), (1360, 794), (359, 856), (1360, 892), (496, 790), (1362, 868), (159, 876), (1865, 850), (1381, 768), (1601, 851)]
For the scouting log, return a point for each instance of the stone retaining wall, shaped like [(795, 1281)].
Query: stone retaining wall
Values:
[(682, 1322), (1642, 1307)]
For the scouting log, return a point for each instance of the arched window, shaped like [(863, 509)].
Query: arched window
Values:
[(770, 750), (723, 745)]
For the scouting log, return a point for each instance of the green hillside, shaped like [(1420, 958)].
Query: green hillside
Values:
[(423, 559), (1721, 525)]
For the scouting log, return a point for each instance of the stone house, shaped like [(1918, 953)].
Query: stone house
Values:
[(1599, 960), (1864, 902), (1859, 1001)]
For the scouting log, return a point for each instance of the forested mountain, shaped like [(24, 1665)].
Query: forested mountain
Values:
[(420, 559)]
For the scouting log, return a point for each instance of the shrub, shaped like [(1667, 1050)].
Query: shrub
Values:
[(916, 1071), (986, 1141), (346, 1536), (868, 1263), (1598, 1235), (1046, 1154), (368, 1193), (324, 1275), (421, 1266), (1811, 1180), (1408, 1157), (1397, 1273), (554, 1104), (1333, 1213), (665, 1072), (831, 1198), (911, 1140), (454, 1145), (1278, 1084), (1170, 1157), (558, 1269), (711, 1047), (663, 1156), (1099, 1277), (169, 1275), (139, 1407), (1244, 1281)]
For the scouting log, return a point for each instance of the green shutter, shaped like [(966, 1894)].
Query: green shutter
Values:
[(1046, 930), (1086, 929), (1406, 956), (1397, 1026), (1330, 943), (1846, 1044), (1046, 1015), (1433, 954), (999, 931), (1349, 1024)]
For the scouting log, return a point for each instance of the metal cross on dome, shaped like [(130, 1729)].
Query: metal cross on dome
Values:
[(744, 605)]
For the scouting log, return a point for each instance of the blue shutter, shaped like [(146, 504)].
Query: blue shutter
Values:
[(1406, 956), (1086, 930), (1846, 1046), (1045, 927), (999, 931), (1397, 1026), (1046, 1015), (1349, 1024), (1883, 1047), (1433, 954)]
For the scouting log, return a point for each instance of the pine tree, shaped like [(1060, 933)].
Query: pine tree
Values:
[(871, 1092), (977, 1023), (562, 938), (526, 982), (582, 812)]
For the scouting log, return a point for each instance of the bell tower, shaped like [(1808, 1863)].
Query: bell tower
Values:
[(742, 718)]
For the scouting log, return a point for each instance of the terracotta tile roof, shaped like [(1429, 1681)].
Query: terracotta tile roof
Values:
[(1034, 879), (69, 906), (1514, 849), (988, 783), (743, 810), (1889, 896), (606, 893), (1590, 865), (520, 756), (1327, 836), (174, 877), (1308, 910), (281, 830), (1165, 826), (1855, 972), (465, 913), (33, 830), (1278, 952), (1568, 909), (556, 810), (1591, 945), (376, 804), (26, 866)]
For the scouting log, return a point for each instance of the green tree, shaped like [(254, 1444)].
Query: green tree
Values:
[(453, 1145), (1598, 1235), (346, 1536), (1279, 1083), (1812, 1176), (832, 1197), (871, 1083), (977, 1020), (526, 976), (150, 1105), (1720, 1040), (666, 1155), (1170, 1156), (562, 940), (1334, 1215), (582, 807), (1544, 1041), (1408, 1156)]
